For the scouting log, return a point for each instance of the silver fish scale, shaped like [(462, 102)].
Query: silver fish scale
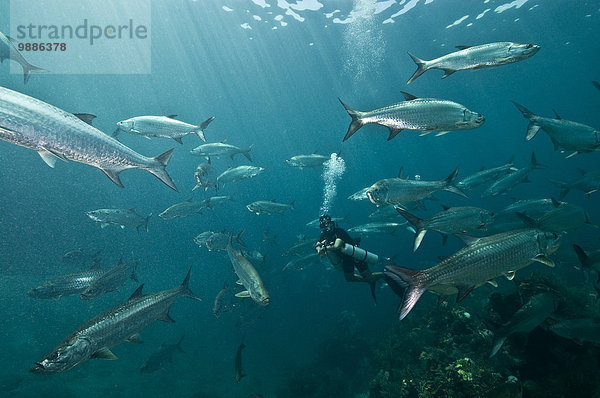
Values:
[(486, 259), (113, 278), (418, 114), (68, 284), (570, 135), (402, 191), (117, 324), (162, 126), (38, 125), (464, 218), (490, 54), (483, 176)]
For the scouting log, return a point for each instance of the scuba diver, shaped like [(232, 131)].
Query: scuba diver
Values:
[(343, 252)]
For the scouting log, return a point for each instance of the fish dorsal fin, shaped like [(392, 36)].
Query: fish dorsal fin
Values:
[(556, 114), (463, 47), (138, 293), (171, 116), (85, 117), (400, 172), (408, 97), (541, 258), (510, 275), (555, 202), (243, 294), (104, 353), (530, 222)]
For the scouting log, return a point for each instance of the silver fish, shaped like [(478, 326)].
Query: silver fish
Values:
[(215, 241), (509, 181), (205, 176), (249, 278), (300, 263), (481, 261), (162, 126), (213, 201), (301, 247), (81, 257), (162, 357), (452, 220), (219, 305), (359, 195), (56, 134), (588, 259), (425, 114), (484, 176), (302, 161), (9, 51), (96, 337), (183, 209), (111, 280), (571, 136), (399, 190), (563, 217), (238, 174), (219, 149), (527, 318), (66, 285), (121, 217), (589, 182), (380, 227), (578, 330), (533, 208), (269, 207), (475, 57)]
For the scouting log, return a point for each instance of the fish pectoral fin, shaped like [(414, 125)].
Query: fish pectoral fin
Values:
[(393, 132), (442, 133), (135, 339), (463, 291), (113, 174), (166, 317), (493, 283), (103, 225), (245, 293), (510, 275), (178, 139), (122, 226), (105, 353), (541, 258), (532, 130), (239, 282), (48, 158), (571, 155)]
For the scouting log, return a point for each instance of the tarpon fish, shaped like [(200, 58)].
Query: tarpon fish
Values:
[(205, 176), (380, 227), (162, 126), (219, 305), (481, 261), (527, 318), (219, 149), (249, 278), (425, 114), (359, 195), (563, 217), (95, 338), (9, 51), (533, 208), (81, 257), (121, 217), (269, 207), (56, 134), (183, 209), (302, 161), (475, 57), (301, 247), (300, 263), (484, 176), (399, 190), (571, 136), (238, 174), (66, 285), (589, 182), (452, 220), (578, 330), (217, 240), (111, 280), (162, 357), (239, 373), (509, 181), (213, 201), (588, 259)]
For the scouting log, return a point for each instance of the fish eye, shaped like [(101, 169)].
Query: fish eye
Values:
[(53, 356)]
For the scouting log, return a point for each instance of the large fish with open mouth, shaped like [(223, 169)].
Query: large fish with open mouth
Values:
[(476, 57), (56, 134), (9, 51), (481, 261), (95, 338), (425, 114)]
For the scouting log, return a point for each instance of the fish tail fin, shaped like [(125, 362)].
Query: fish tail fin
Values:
[(564, 188), (203, 125), (185, 290), (450, 187), (292, 205), (534, 163), (421, 68), (532, 128), (146, 221), (238, 238), (498, 342), (158, 168), (416, 222), (406, 285), (246, 152), (582, 256), (356, 122), (28, 68)]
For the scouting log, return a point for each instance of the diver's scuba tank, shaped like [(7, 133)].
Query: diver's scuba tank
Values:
[(355, 252)]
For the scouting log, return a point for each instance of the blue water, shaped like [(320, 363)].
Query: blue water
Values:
[(276, 89)]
